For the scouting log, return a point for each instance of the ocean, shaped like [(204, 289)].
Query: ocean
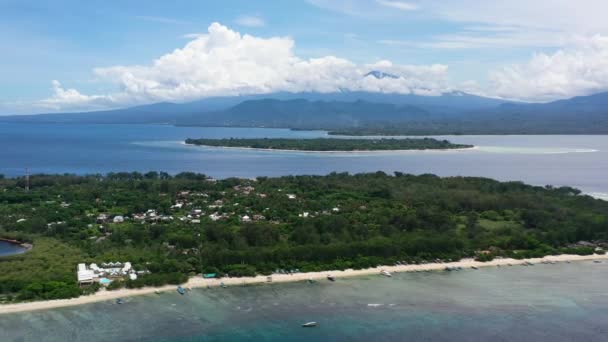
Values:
[(562, 302), (7, 248), (580, 161)]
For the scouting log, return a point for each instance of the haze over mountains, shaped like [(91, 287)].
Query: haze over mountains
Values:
[(363, 113)]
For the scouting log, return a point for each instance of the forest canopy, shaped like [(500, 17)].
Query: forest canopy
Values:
[(187, 224), (331, 144)]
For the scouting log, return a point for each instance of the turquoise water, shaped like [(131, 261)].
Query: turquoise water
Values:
[(7, 248), (563, 302)]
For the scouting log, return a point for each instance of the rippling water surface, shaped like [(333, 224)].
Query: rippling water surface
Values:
[(563, 302), (580, 161)]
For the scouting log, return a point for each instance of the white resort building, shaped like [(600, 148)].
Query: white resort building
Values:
[(104, 274)]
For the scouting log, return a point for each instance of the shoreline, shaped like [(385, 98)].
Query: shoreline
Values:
[(25, 245), (199, 282), (333, 151)]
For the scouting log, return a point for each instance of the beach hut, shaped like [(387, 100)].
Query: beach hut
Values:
[(127, 267), (84, 275)]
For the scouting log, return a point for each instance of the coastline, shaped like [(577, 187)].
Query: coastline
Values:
[(199, 282), (333, 151), (25, 245)]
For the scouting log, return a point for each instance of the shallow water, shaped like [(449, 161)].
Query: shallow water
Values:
[(563, 302), (580, 161)]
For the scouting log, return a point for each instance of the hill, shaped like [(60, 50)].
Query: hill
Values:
[(363, 113)]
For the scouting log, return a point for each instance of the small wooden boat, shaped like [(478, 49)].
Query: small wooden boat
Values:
[(309, 325), (181, 290), (331, 277)]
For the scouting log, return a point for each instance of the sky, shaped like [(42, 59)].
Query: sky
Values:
[(67, 55)]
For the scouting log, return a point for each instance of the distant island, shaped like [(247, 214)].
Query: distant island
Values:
[(330, 144)]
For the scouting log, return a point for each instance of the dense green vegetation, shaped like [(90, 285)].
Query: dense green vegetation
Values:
[(323, 144), (186, 224)]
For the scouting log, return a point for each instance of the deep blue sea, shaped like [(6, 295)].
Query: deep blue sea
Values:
[(580, 161), (10, 249), (562, 302)]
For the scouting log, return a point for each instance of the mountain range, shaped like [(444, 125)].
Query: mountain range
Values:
[(363, 113)]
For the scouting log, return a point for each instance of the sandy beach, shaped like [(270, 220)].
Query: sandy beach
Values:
[(198, 282)]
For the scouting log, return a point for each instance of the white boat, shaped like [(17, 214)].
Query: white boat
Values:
[(331, 277), (386, 273), (309, 324)]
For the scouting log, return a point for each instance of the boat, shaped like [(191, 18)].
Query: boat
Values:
[(223, 285), (157, 292), (597, 261), (331, 277), (474, 267), (309, 325), (119, 301), (386, 273), (181, 290)]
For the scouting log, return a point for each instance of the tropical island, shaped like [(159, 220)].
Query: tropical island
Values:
[(170, 228), (331, 144)]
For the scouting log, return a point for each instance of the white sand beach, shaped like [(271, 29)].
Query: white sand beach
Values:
[(199, 282)]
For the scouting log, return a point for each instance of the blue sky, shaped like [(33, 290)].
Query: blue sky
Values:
[(84, 55)]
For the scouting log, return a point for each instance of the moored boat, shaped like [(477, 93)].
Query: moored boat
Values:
[(331, 277), (386, 273), (309, 324), (181, 290)]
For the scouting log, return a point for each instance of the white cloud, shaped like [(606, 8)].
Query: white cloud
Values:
[(72, 99), (582, 16), (579, 70), (224, 62), (192, 35), (400, 5), (498, 37), (378, 9), (250, 21)]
